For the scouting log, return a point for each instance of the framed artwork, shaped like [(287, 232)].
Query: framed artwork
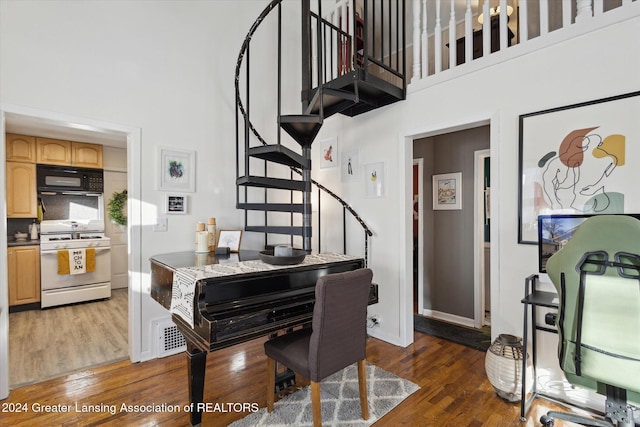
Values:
[(176, 204), (578, 159), (329, 153), (447, 191), (350, 165), (177, 170), (230, 239), (374, 179)]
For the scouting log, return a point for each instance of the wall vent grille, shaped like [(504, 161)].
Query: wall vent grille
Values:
[(170, 340)]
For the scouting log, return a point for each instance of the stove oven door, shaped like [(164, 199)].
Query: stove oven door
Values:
[(60, 289)]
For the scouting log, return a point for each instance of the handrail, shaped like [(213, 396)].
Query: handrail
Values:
[(240, 106)]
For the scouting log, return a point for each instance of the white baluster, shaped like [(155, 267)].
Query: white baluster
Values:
[(416, 41), (468, 34), (598, 7), (583, 10), (425, 41), (486, 29), (504, 16), (566, 14), (453, 46), (544, 17), (438, 39), (523, 23)]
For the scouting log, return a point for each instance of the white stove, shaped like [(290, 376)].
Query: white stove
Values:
[(64, 240)]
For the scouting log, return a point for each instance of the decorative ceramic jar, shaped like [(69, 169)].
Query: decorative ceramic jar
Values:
[(503, 364)]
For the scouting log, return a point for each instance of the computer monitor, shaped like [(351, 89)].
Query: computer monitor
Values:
[(554, 231)]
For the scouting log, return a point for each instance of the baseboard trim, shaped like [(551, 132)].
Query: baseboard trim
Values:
[(448, 317)]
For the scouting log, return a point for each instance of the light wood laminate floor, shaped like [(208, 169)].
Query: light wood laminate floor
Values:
[(48, 343)]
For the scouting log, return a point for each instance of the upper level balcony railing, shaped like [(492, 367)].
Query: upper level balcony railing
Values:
[(449, 34)]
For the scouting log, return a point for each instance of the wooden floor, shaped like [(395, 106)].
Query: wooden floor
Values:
[(48, 343), (454, 389)]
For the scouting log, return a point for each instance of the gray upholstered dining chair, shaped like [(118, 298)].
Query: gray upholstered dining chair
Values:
[(336, 339)]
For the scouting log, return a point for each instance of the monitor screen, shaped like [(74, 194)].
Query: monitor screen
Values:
[(554, 231)]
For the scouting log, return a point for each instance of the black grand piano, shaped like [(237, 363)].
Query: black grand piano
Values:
[(240, 302)]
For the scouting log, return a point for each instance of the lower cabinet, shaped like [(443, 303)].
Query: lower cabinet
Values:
[(23, 263)]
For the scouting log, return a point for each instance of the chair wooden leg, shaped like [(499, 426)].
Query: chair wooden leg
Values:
[(315, 404), (271, 383), (362, 382)]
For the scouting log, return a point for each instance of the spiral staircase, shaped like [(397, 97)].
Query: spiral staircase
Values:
[(350, 65)]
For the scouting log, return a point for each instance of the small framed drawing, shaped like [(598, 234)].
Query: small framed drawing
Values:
[(230, 239), (350, 165), (175, 204), (329, 153), (177, 170), (374, 179), (447, 191)]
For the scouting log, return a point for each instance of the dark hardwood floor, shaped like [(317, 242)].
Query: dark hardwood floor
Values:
[(454, 390)]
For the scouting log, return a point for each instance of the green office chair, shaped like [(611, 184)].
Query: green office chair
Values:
[(597, 277)]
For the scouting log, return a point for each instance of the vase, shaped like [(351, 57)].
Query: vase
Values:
[(503, 365)]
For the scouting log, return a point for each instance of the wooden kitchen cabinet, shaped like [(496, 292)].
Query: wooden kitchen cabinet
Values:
[(22, 198), (53, 151), (86, 155), (23, 264), (20, 148), (68, 153)]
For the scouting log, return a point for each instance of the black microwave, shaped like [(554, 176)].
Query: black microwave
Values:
[(67, 179)]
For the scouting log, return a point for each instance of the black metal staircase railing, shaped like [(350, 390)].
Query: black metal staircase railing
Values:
[(329, 53)]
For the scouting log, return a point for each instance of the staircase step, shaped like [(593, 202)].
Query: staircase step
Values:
[(333, 101), (289, 230), (373, 92), (280, 154), (302, 127), (272, 207), (278, 183)]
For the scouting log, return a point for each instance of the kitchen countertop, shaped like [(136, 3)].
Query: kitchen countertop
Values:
[(11, 241)]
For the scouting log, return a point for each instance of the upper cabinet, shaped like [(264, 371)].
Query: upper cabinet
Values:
[(53, 151), (86, 155), (21, 148), (67, 153), (22, 198)]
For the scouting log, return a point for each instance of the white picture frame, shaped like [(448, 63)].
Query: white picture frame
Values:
[(374, 179), (175, 204), (447, 191), (230, 239), (329, 153), (177, 170)]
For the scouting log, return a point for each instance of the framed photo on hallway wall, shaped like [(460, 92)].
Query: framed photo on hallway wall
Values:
[(447, 191)]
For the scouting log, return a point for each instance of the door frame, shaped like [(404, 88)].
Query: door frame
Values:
[(420, 163), (405, 166), (478, 238), (133, 137)]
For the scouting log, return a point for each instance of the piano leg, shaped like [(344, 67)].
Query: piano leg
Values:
[(197, 362)]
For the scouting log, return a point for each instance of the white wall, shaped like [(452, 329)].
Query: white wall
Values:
[(167, 68)]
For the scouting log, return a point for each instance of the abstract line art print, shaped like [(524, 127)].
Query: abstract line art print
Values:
[(579, 159)]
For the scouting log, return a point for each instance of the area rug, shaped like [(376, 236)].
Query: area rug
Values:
[(340, 401), (480, 339)]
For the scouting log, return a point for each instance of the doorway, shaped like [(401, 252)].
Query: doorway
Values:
[(128, 138), (449, 247)]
